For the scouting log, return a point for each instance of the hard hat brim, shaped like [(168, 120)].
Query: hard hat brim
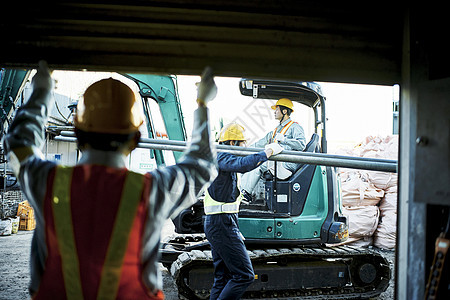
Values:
[(275, 107)]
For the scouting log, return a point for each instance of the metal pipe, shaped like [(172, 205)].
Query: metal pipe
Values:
[(286, 156), (67, 133), (250, 149), (255, 150)]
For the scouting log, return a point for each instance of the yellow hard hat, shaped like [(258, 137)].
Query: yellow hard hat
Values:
[(109, 106), (232, 132), (284, 102)]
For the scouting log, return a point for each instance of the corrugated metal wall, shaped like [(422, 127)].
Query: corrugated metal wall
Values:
[(285, 39)]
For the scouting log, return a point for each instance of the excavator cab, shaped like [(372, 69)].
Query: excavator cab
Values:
[(302, 209), (306, 207)]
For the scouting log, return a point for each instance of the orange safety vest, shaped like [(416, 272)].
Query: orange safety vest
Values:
[(94, 222), (282, 131)]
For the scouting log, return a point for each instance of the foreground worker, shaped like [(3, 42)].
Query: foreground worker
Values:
[(289, 134), (233, 271), (99, 224)]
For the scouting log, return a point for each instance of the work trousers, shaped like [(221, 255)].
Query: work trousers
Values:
[(233, 271)]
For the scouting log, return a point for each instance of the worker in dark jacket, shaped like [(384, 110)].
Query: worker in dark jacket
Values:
[(233, 271)]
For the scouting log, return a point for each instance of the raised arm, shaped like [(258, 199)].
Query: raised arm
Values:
[(176, 187), (26, 137)]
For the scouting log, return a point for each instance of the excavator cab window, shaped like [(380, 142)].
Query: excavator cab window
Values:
[(307, 94)]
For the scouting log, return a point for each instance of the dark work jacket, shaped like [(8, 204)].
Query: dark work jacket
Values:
[(224, 188)]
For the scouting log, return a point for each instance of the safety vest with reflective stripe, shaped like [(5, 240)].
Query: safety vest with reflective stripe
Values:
[(213, 207), (282, 131), (94, 217)]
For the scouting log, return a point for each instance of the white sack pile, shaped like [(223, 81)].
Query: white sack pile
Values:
[(370, 197)]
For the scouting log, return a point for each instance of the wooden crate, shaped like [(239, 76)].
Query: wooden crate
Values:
[(27, 224), (26, 214), (25, 211)]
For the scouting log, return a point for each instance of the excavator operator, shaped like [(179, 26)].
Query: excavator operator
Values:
[(289, 134), (233, 271), (98, 223)]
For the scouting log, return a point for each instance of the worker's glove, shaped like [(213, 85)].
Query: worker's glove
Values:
[(275, 147), (206, 89), (42, 79), (280, 137)]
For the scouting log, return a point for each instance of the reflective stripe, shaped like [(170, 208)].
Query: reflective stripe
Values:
[(222, 208), (283, 130), (64, 232), (129, 202), (213, 207)]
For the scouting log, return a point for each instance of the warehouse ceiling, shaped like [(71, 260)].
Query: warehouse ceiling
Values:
[(275, 39)]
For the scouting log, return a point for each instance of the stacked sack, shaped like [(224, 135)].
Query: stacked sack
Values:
[(369, 198)]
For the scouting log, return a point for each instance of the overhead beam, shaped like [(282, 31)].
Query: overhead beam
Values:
[(272, 39)]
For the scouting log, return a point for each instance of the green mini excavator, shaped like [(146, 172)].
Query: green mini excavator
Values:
[(292, 232)]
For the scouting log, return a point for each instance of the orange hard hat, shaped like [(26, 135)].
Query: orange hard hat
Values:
[(284, 102), (109, 106)]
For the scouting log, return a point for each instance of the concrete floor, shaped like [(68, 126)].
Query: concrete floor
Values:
[(14, 267)]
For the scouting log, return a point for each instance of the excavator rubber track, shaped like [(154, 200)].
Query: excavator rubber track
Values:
[(338, 272)]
